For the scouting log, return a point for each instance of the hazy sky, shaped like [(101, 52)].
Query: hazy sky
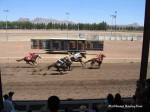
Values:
[(85, 11)]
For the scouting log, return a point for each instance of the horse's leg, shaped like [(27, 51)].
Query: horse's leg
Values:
[(82, 64), (92, 64), (69, 66), (59, 70), (64, 69), (35, 63), (99, 64), (29, 63)]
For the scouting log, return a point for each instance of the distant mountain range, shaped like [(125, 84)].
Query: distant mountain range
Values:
[(133, 24), (43, 20), (46, 21)]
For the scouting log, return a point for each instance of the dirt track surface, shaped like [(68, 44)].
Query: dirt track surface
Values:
[(81, 83), (117, 75)]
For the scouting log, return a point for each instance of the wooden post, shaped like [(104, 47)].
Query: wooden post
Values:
[(146, 40), (1, 93), (145, 54)]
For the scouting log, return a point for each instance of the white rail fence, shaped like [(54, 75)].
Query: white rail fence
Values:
[(53, 59)]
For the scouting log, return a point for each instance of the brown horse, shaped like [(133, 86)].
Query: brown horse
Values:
[(32, 61), (97, 60), (83, 55)]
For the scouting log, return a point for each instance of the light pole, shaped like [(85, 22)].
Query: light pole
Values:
[(67, 22), (6, 11), (78, 27), (115, 16), (112, 16)]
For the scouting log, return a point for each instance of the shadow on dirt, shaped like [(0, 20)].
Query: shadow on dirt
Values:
[(93, 68), (58, 73)]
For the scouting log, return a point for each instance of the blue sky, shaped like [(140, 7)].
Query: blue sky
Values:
[(84, 11)]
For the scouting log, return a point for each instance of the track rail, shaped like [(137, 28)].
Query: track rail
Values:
[(49, 59)]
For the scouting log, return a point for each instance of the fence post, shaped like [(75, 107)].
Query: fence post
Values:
[(8, 60)]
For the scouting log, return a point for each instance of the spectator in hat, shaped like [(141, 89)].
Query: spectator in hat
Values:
[(8, 106)]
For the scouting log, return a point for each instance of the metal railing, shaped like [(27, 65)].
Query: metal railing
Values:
[(74, 104)]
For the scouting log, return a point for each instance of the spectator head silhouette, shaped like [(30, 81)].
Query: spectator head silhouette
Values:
[(53, 103), (11, 93), (134, 97), (117, 97), (6, 96), (110, 98)]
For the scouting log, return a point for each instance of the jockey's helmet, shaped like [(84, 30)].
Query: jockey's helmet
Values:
[(66, 57), (99, 54)]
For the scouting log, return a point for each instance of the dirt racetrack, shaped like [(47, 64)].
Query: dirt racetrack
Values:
[(81, 83), (118, 73)]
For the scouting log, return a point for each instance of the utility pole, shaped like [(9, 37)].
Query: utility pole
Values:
[(67, 22), (6, 11), (113, 17)]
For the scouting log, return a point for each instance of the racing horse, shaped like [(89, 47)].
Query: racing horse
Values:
[(58, 65), (79, 59), (97, 60), (31, 61)]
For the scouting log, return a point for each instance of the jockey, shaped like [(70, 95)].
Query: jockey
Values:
[(31, 56), (77, 56), (62, 61), (99, 56)]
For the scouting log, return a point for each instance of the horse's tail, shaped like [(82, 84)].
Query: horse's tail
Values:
[(88, 61), (50, 66), (19, 59)]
